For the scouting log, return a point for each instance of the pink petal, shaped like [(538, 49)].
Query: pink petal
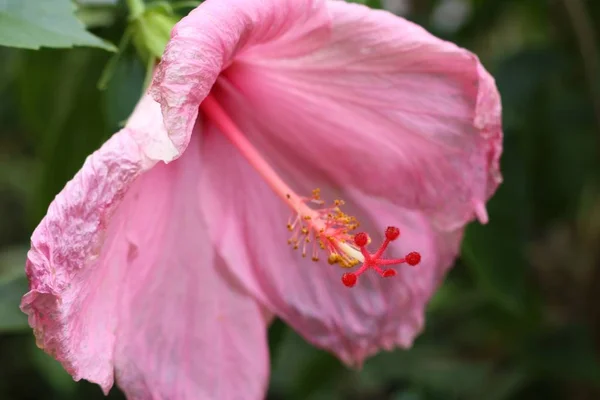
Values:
[(123, 277), (187, 330), (206, 41), (248, 224), (63, 266), (418, 118), (383, 106)]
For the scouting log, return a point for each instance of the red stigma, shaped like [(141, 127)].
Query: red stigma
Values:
[(392, 233), (361, 239), (375, 260), (349, 279), (388, 273), (413, 258)]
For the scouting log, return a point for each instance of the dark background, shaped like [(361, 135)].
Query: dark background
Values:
[(517, 317)]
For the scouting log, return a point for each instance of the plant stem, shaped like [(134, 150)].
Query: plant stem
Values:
[(136, 8)]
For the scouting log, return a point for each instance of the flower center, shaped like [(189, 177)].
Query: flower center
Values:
[(325, 228)]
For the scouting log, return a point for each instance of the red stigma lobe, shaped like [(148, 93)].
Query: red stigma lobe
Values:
[(349, 279), (375, 260), (361, 239), (392, 233), (413, 258)]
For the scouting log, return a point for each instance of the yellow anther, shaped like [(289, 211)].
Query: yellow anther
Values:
[(334, 258), (331, 229), (348, 263)]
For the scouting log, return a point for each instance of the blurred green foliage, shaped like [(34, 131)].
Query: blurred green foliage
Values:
[(515, 319), (31, 24)]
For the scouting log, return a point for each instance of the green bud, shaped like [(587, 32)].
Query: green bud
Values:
[(152, 31)]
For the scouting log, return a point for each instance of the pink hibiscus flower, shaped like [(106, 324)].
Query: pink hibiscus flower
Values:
[(162, 262)]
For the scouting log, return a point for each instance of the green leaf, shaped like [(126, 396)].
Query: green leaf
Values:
[(301, 371), (112, 64), (32, 24), (277, 332), (54, 373), (185, 4), (123, 90), (13, 285), (409, 395), (564, 353), (95, 17), (505, 385), (432, 367), (64, 132), (369, 3)]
